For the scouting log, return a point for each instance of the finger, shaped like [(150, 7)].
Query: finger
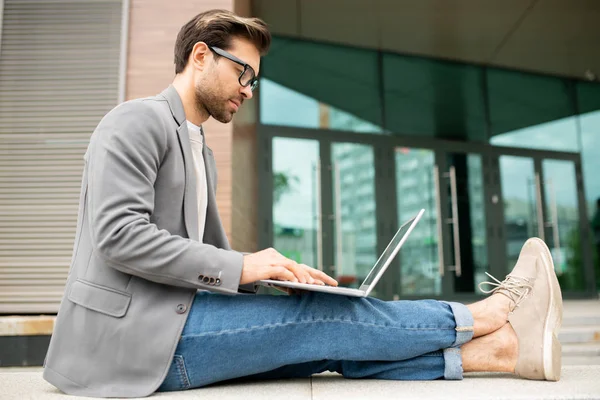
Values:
[(283, 274), (310, 272), (320, 275), (302, 275)]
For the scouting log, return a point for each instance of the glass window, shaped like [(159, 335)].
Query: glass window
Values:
[(345, 79), (280, 105), (560, 135), (433, 98), (531, 111), (588, 98)]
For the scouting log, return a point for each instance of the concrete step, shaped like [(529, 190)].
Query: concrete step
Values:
[(581, 349), (581, 354), (581, 320), (580, 360), (580, 334)]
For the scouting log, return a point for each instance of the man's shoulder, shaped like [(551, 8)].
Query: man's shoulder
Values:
[(141, 119), (155, 107), (150, 113)]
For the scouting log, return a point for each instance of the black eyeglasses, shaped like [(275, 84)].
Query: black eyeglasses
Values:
[(248, 76)]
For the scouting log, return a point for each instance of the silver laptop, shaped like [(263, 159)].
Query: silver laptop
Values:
[(374, 275)]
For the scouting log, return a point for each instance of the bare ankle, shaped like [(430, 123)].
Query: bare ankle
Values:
[(489, 314), (511, 347), (501, 302), (496, 352)]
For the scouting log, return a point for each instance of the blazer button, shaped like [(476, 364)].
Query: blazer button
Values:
[(206, 280), (212, 281), (217, 282), (181, 308), (200, 277)]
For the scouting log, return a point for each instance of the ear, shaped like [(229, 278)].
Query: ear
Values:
[(198, 57)]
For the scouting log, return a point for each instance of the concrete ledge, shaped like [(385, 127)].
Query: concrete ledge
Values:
[(27, 325), (24, 339), (579, 334), (578, 382), (23, 350)]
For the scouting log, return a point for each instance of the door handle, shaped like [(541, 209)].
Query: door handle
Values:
[(554, 224), (338, 218), (454, 221), (438, 206), (319, 219)]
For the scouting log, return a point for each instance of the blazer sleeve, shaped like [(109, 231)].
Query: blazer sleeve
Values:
[(123, 160)]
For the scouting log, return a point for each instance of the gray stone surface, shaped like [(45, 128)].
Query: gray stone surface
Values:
[(581, 313), (578, 382), (31, 386), (581, 349), (579, 334), (582, 320), (580, 360)]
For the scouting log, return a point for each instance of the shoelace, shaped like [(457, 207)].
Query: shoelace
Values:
[(513, 287)]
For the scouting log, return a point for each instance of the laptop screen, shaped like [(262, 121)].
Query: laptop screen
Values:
[(387, 253)]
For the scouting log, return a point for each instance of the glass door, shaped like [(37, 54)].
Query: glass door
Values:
[(519, 184), (561, 221), (420, 259), (296, 208), (464, 209), (543, 198), (353, 217)]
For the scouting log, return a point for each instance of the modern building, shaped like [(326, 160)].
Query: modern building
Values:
[(485, 113)]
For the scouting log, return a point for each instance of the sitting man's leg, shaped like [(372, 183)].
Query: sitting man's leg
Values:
[(229, 337)]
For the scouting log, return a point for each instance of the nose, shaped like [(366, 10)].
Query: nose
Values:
[(247, 92)]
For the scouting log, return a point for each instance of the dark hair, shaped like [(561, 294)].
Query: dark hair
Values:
[(217, 28)]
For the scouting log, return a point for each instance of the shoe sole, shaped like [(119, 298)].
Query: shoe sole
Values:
[(552, 349)]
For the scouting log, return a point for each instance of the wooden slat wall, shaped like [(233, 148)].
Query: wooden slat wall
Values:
[(59, 66)]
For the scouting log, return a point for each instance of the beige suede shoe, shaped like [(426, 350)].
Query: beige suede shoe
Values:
[(536, 311)]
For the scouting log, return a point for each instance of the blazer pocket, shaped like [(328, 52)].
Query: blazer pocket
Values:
[(99, 298)]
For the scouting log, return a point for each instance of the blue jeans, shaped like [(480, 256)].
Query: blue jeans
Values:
[(275, 337)]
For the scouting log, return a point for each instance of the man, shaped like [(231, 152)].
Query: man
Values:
[(150, 298)]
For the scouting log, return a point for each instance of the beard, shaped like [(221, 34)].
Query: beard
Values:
[(208, 100)]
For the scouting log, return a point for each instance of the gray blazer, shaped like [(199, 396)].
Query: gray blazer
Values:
[(137, 259)]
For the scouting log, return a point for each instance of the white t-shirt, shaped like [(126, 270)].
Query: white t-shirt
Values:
[(196, 142)]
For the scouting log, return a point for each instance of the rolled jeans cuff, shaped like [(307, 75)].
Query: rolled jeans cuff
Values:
[(453, 369)]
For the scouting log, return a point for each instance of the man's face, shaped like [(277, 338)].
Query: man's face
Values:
[(218, 91)]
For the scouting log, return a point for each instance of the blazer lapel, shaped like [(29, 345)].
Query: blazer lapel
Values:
[(190, 198)]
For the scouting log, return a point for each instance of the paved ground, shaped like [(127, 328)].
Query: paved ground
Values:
[(578, 382)]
